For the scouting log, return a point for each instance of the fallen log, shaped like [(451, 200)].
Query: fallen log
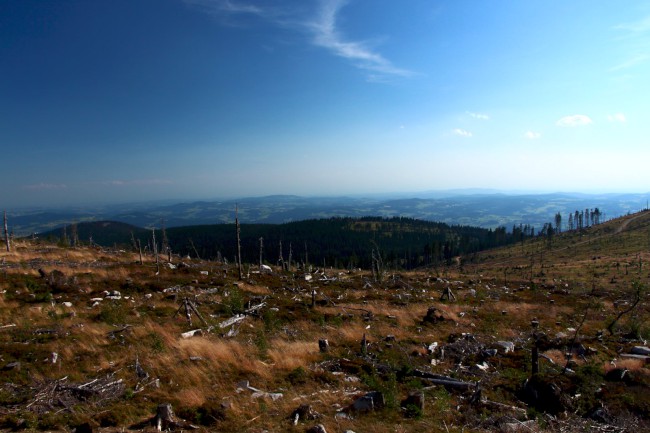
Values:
[(452, 383), (234, 319), (438, 379)]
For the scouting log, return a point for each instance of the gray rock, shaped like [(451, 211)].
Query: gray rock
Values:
[(507, 346), (318, 428), (373, 400), (641, 350)]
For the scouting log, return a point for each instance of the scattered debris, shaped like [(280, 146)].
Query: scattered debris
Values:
[(257, 393), (304, 412)]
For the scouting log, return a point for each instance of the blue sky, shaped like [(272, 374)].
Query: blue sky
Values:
[(132, 100)]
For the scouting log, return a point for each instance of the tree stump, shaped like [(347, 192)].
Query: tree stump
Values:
[(323, 345), (164, 417)]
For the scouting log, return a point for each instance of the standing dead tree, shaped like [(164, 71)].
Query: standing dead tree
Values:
[(238, 242), (74, 235), (140, 250), (377, 264), (7, 242), (165, 248), (134, 244), (290, 258), (261, 251), (155, 250), (280, 258), (197, 253)]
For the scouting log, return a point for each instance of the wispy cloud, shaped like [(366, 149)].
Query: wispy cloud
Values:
[(45, 186), (462, 132), (321, 28), (618, 117), (136, 182), (530, 135), (327, 35), (634, 36), (639, 26), (574, 120), (631, 62), (479, 116), (226, 7)]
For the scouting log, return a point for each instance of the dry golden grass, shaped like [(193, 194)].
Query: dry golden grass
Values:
[(228, 354), (557, 356), (288, 355), (206, 369), (28, 252), (348, 334), (255, 289), (630, 364), (191, 397)]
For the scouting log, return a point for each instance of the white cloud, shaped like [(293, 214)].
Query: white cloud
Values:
[(326, 35), (533, 135), (321, 25), (574, 120), (479, 116), (618, 117), (462, 132)]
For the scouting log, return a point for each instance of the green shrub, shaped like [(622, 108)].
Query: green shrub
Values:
[(112, 313), (298, 376)]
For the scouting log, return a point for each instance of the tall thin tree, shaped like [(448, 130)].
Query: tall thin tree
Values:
[(290, 258), (238, 242), (7, 242), (281, 259), (155, 250)]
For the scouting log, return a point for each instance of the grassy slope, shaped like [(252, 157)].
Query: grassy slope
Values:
[(605, 256), (278, 350)]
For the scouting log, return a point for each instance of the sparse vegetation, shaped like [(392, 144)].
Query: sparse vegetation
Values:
[(95, 338)]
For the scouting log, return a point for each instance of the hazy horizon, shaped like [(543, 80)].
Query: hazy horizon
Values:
[(431, 194), (134, 101)]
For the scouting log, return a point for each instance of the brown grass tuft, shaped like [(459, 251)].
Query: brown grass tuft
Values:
[(289, 355)]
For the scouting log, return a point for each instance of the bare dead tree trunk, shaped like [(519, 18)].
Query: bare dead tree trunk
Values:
[(238, 242), (140, 250), (280, 258), (261, 251), (74, 235), (155, 250), (165, 242), (7, 242), (535, 358), (290, 257), (196, 252)]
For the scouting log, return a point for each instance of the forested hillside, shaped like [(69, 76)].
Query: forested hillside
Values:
[(402, 243)]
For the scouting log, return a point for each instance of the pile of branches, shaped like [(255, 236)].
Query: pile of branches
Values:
[(59, 395)]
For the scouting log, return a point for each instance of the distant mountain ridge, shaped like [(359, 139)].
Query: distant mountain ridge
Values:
[(481, 209)]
